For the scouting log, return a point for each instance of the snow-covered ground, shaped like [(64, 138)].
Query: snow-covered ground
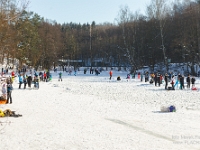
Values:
[(88, 112)]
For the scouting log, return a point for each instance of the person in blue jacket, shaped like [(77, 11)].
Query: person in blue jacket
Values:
[(20, 80)]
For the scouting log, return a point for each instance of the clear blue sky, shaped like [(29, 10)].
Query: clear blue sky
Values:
[(84, 11)]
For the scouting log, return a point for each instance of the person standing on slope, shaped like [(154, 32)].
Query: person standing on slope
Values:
[(9, 92), (45, 76), (193, 81), (24, 81), (188, 81), (166, 81), (20, 80), (111, 73), (60, 76), (29, 80)]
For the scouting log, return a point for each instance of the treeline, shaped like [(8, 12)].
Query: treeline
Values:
[(167, 33)]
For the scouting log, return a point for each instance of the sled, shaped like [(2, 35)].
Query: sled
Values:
[(194, 88), (171, 108), (171, 88), (3, 101)]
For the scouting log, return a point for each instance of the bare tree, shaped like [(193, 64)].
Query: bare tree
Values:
[(125, 21), (158, 10)]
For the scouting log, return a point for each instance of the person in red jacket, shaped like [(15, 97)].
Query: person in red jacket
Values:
[(45, 76), (110, 74)]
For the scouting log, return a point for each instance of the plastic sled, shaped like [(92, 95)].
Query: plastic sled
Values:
[(194, 88), (171, 88), (171, 108), (3, 101)]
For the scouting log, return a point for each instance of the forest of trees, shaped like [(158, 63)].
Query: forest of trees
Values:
[(167, 33)]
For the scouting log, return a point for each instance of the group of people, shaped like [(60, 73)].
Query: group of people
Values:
[(25, 79), (96, 70), (33, 78), (179, 80), (174, 80), (44, 76)]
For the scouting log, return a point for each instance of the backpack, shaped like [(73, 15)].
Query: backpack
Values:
[(9, 87)]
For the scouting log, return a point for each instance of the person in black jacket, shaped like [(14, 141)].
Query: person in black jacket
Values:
[(193, 81), (188, 81), (181, 78), (48, 75), (166, 81), (29, 80), (158, 79), (155, 79)]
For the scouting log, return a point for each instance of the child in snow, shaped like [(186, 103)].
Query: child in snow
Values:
[(36, 82), (118, 78), (128, 76), (13, 76)]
